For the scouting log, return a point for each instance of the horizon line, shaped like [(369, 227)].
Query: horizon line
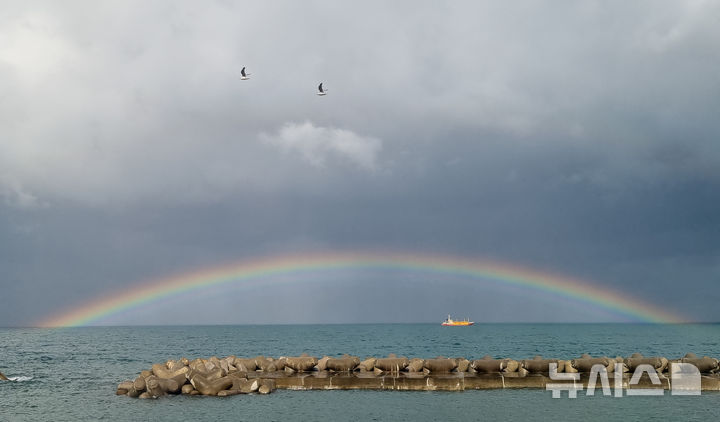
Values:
[(260, 324)]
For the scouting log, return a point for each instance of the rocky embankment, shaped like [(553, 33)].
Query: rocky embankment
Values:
[(262, 375)]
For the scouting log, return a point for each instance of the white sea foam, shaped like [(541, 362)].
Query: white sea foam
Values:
[(20, 378)]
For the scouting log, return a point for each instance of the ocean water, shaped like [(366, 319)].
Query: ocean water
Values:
[(71, 374)]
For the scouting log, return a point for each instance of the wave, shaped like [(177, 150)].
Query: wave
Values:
[(19, 379)]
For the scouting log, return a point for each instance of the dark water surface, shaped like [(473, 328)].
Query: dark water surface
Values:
[(75, 371)]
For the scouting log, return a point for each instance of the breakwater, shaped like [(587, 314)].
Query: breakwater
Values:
[(232, 375)]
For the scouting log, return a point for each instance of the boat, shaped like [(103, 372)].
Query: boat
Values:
[(449, 322)]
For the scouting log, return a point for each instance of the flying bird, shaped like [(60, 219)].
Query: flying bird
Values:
[(321, 91), (245, 76)]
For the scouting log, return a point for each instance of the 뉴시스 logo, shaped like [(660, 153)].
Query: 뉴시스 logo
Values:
[(684, 380)]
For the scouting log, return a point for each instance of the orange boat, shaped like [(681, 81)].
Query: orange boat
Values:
[(449, 322)]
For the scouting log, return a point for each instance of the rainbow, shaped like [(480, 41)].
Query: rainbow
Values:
[(260, 270)]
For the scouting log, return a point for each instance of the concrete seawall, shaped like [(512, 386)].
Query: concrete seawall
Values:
[(456, 381), (232, 375)]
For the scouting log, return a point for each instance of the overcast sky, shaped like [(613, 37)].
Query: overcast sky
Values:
[(578, 137)]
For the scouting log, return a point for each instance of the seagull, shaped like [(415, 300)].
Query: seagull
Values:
[(321, 91), (245, 76)]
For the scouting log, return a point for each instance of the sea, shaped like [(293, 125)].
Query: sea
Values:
[(70, 374)]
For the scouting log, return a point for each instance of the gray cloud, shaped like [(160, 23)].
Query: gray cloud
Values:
[(578, 137)]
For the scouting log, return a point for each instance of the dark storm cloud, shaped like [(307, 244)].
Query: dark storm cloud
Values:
[(578, 137)]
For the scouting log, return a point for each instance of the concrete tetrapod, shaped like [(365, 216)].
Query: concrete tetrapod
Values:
[(346, 363), (210, 387), (586, 364), (301, 363), (488, 365), (367, 365), (240, 385), (124, 387), (463, 365), (705, 364), (178, 375), (659, 363), (415, 365), (440, 364), (392, 364), (266, 386), (269, 365), (540, 365)]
